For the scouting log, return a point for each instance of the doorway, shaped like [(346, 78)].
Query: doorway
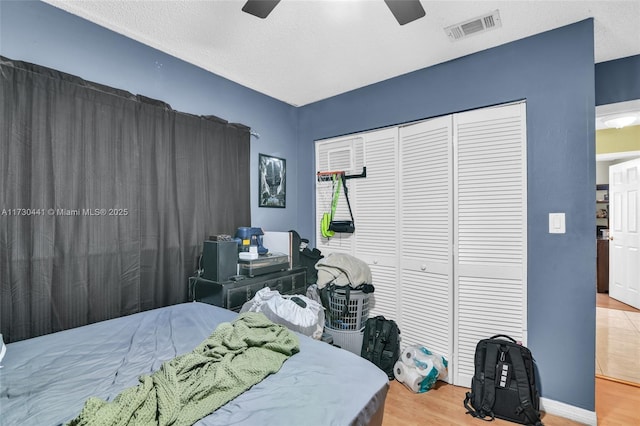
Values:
[(617, 324)]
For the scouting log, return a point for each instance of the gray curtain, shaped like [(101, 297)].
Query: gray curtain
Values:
[(105, 199)]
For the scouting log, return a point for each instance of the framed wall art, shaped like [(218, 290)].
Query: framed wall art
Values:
[(272, 186)]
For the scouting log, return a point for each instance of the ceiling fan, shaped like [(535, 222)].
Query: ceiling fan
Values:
[(405, 11)]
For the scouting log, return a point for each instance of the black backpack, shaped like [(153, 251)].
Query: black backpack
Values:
[(504, 384), (381, 343)]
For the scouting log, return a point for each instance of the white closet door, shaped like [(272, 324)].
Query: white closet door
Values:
[(339, 154), (490, 230), (425, 299), (376, 233)]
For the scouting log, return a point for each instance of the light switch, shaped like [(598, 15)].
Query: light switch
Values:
[(556, 223)]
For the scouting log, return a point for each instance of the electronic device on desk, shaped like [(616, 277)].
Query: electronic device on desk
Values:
[(219, 259), (264, 264), (250, 236)]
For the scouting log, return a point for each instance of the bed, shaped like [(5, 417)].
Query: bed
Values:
[(47, 379)]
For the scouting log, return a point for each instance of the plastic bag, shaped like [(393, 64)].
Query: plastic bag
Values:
[(418, 368), (296, 312)]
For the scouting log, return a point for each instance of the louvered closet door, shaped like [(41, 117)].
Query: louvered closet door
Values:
[(490, 223), (344, 154), (376, 233), (425, 299)]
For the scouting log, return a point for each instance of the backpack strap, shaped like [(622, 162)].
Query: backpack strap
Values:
[(504, 336), (345, 308), (487, 379), (326, 294), (473, 412), (325, 300), (346, 196), (489, 391), (522, 379), (336, 195), (378, 340), (371, 326)]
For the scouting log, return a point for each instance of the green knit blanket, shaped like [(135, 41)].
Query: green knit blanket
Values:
[(191, 386)]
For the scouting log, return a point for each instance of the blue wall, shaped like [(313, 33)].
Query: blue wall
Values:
[(36, 32), (618, 80), (554, 72)]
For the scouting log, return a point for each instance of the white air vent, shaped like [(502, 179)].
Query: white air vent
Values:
[(474, 26)]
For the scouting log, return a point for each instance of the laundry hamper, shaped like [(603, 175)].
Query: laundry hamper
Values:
[(356, 313), (346, 326), (348, 340)]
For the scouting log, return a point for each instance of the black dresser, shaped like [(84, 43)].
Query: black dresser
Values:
[(233, 294)]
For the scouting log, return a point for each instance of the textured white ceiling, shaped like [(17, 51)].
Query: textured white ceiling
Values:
[(308, 50)]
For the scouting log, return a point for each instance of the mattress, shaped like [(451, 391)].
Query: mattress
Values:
[(46, 380)]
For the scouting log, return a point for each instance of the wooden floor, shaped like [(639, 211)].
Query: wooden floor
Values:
[(618, 344), (616, 405), (617, 340), (604, 301)]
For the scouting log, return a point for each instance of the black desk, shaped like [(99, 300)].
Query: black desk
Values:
[(233, 294)]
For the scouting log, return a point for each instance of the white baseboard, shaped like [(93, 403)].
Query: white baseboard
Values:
[(568, 411)]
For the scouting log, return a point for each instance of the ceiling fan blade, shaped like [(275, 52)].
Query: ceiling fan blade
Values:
[(405, 11), (260, 8)]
